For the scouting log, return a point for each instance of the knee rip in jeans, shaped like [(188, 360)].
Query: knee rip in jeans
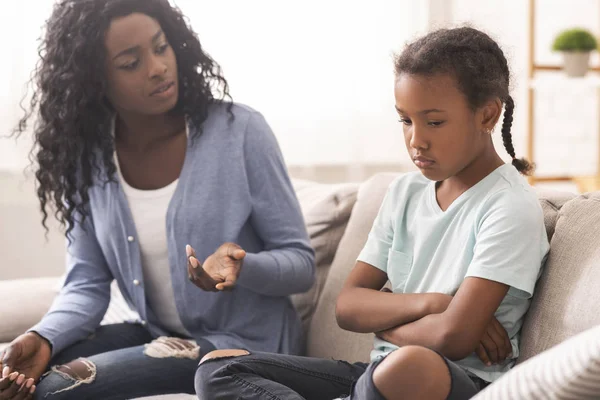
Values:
[(167, 347), (78, 372), (221, 354)]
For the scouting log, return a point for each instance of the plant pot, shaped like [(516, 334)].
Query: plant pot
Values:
[(576, 63)]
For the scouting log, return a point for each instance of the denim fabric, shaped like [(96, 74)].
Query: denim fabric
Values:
[(123, 371), (283, 377)]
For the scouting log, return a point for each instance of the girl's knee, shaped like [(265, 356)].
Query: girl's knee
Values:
[(409, 365)]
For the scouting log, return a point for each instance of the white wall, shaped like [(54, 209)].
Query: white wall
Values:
[(322, 74), (320, 71), (20, 26)]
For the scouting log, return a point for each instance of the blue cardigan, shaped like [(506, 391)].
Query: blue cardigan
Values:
[(233, 187)]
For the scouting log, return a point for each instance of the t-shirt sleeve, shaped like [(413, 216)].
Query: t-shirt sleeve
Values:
[(376, 250), (511, 243)]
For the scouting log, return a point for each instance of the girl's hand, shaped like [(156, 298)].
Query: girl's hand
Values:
[(220, 270), (495, 346)]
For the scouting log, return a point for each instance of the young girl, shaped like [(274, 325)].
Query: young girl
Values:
[(139, 160), (461, 242)]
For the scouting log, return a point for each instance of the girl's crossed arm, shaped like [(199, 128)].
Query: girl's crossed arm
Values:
[(362, 307), (457, 331)]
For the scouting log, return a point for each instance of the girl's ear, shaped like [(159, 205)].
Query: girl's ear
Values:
[(489, 114)]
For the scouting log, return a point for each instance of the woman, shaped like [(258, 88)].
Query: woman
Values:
[(165, 188)]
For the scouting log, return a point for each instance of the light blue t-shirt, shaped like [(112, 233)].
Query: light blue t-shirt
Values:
[(495, 230)]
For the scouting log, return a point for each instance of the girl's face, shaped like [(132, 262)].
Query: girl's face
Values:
[(443, 135), (141, 67)]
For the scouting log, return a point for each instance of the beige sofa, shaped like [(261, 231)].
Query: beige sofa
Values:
[(338, 217)]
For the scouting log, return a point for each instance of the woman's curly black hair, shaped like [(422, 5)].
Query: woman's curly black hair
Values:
[(477, 63), (72, 130)]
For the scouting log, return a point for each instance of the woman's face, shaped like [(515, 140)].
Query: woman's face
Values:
[(141, 67)]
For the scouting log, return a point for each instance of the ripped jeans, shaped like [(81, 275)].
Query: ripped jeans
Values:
[(257, 376), (122, 362)]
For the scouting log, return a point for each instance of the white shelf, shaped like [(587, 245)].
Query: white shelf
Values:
[(561, 81)]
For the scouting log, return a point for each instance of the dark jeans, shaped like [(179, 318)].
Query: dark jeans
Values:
[(283, 377), (122, 369)]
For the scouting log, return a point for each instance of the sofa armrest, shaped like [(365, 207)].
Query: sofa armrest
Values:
[(24, 303)]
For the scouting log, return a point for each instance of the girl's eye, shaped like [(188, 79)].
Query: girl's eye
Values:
[(130, 66), (405, 121), (435, 123)]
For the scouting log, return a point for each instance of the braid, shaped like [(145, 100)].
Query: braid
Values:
[(509, 106), (477, 63), (521, 164)]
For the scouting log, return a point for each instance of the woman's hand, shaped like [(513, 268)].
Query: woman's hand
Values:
[(219, 271), (22, 364), (495, 345)]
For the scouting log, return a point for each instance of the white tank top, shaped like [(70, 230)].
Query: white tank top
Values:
[(149, 211)]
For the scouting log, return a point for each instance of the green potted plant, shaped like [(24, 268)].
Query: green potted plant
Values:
[(576, 45)]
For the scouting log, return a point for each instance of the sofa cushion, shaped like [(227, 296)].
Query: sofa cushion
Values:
[(24, 303), (326, 209), (567, 299), (570, 370), (551, 202), (28, 251), (325, 339)]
